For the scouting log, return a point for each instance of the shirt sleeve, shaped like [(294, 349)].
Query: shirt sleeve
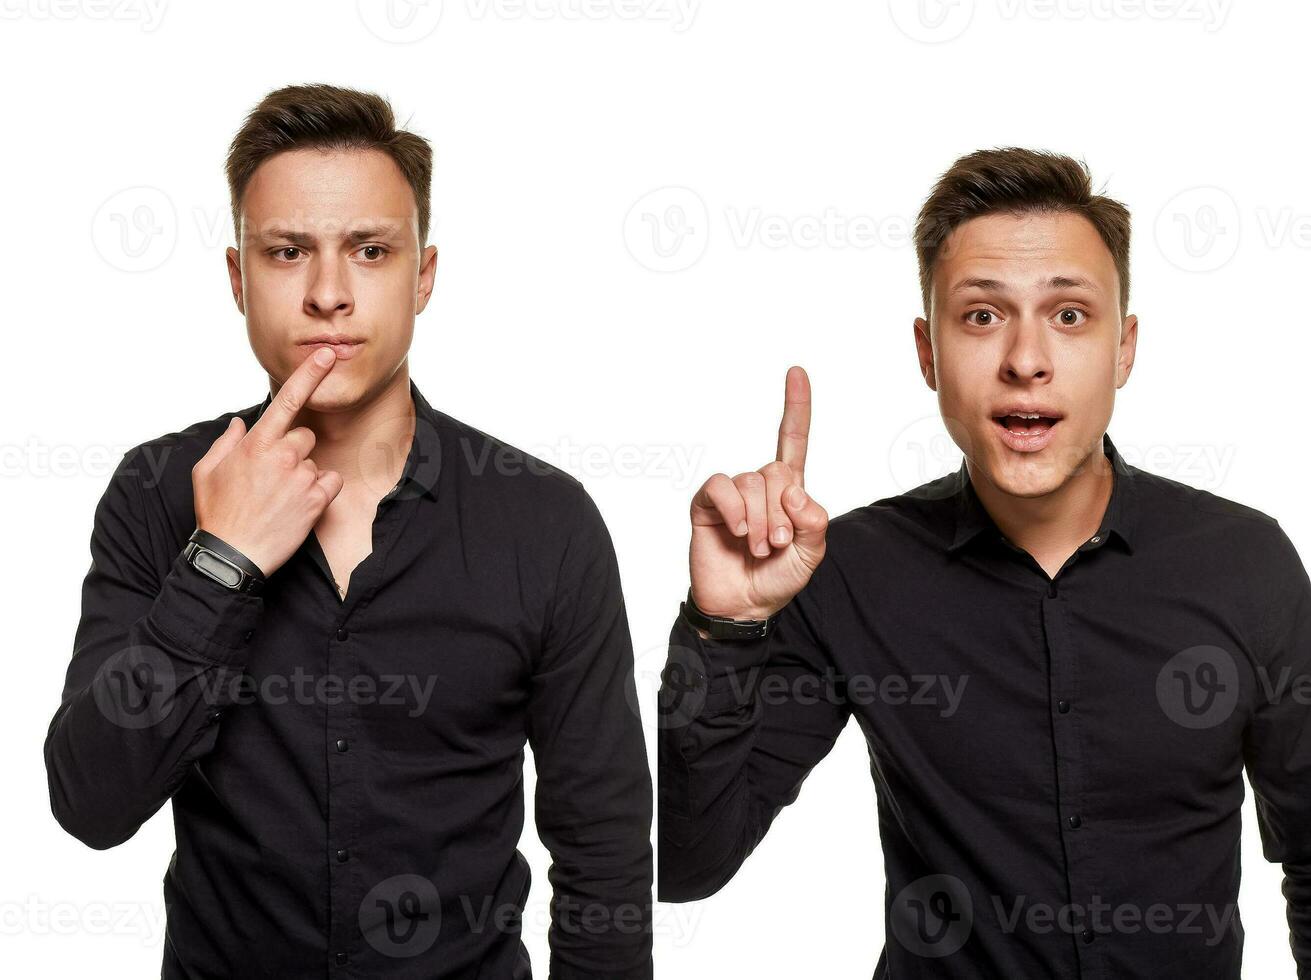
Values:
[(593, 801), (154, 662), (1277, 747), (743, 722)]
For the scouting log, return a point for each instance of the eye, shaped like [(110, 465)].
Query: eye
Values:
[(1072, 317), (382, 252), (986, 318), (286, 248)]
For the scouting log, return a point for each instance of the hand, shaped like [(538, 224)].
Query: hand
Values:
[(758, 537), (258, 490)]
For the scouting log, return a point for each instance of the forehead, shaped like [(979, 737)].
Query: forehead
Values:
[(326, 193), (1023, 250)]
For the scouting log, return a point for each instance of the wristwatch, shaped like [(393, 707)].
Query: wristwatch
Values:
[(215, 558), (721, 628)]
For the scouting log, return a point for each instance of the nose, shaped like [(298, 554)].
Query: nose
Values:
[(328, 291), (1026, 357)]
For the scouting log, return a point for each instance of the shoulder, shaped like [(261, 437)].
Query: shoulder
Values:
[(1170, 512), (504, 475)]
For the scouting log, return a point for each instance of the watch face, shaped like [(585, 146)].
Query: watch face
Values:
[(217, 568)]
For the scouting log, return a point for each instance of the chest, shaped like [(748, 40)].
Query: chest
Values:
[(345, 536)]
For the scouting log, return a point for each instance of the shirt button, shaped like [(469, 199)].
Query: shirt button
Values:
[(343, 856), (341, 959), (342, 745), (1075, 821), (1095, 539), (1063, 706), (1086, 935), (216, 714), (248, 635), (1051, 591), (342, 634)]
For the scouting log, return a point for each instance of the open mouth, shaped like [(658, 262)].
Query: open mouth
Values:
[(1026, 425)]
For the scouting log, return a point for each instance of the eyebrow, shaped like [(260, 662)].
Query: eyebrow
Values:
[(1055, 282), (304, 238)]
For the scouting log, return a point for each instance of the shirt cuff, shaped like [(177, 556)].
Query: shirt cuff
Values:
[(721, 674), (204, 617)]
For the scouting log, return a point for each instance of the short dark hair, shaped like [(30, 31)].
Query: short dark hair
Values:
[(1013, 180), (332, 118)]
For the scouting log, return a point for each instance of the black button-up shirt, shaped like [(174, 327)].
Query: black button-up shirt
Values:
[(347, 776), (1057, 761)]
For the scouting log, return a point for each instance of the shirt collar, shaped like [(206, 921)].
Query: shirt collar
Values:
[(423, 463), (972, 518)]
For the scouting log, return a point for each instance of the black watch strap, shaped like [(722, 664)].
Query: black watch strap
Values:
[(213, 557), (721, 628)]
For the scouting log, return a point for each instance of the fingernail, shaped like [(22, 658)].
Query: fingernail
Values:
[(798, 496), (742, 528), (780, 535), (324, 356)]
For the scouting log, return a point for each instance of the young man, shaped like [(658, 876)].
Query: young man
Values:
[(1061, 663), (334, 678)]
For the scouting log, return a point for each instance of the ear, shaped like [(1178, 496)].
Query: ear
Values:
[(234, 277), (1128, 348), (924, 350), (427, 277)]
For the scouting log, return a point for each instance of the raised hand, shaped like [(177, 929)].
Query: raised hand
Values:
[(758, 537), (258, 490)]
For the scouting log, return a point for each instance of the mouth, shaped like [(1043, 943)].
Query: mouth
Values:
[(343, 346), (1026, 430)]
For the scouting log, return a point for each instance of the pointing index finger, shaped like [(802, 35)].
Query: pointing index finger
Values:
[(294, 393), (794, 430)]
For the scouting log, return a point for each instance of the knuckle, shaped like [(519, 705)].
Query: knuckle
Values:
[(752, 480)]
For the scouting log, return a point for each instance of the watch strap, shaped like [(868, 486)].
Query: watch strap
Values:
[(235, 570), (722, 628)]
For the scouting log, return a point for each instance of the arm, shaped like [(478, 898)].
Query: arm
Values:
[(593, 802), (742, 724), (1277, 743), (153, 661)]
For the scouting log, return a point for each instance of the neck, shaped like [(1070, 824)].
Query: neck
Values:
[(1052, 526), (368, 443)]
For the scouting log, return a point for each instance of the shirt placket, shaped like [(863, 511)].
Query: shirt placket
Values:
[(345, 762)]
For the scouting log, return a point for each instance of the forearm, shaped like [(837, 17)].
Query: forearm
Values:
[(710, 818), (143, 701)]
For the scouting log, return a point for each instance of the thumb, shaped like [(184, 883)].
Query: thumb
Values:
[(224, 444), (809, 521)]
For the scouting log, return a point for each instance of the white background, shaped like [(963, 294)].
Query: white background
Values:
[(782, 149)]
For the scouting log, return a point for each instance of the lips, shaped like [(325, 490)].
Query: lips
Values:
[(1026, 429), (344, 346)]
